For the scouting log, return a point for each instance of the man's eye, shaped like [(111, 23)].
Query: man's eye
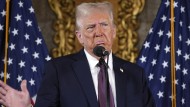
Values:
[(90, 28), (104, 24)]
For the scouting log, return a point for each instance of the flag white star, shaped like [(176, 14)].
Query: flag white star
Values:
[(183, 101), (157, 47), (31, 9), (3, 60), (178, 52), (1, 27), (36, 55), (8, 76), (39, 29), (20, 4), (18, 17), (182, 9), (167, 49), (176, 82), (150, 31), (188, 42), (165, 64), (169, 34), (189, 27), (180, 37), (167, 3), (15, 32), (19, 78), (2, 74), (32, 82), (3, 13), (143, 59), (29, 23), (184, 71), (38, 41), (151, 76), (48, 58), (163, 18), (160, 33), (183, 86), (153, 62), (147, 44), (186, 56), (175, 4), (12, 46), (34, 68), (171, 97), (24, 50), (160, 94), (163, 79), (177, 66), (10, 61), (181, 23), (21, 64), (27, 37)]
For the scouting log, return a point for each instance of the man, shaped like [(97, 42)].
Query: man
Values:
[(72, 80)]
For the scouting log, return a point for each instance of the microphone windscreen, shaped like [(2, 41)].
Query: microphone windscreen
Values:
[(99, 51)]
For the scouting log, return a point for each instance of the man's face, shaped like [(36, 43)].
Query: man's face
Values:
[(95, 29)]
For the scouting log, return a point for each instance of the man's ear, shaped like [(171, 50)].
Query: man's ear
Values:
[(79, 36)]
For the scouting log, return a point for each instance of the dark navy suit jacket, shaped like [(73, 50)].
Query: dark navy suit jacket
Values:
[(67, 82)]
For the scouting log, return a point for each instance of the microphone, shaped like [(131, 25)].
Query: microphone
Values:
[(100, 51)]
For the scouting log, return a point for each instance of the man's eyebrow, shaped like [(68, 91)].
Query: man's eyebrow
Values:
[(94, 24), (90, 25), (103, 22)]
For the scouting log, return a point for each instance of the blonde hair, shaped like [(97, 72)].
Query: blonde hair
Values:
[(86, 8)]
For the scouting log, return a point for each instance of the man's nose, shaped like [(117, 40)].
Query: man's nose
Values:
[(98, 31)]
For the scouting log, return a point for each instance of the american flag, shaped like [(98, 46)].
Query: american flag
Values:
[(155, 54), (27, 51)]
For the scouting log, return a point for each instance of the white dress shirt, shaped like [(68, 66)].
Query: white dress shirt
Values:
[(95, 70)]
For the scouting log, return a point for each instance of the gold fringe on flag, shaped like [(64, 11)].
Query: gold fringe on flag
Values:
[(173, 74)]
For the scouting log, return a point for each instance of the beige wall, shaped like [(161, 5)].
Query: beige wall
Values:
[(46, 17)]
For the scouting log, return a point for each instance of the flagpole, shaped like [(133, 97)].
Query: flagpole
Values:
[(173, 75), (6, 40)]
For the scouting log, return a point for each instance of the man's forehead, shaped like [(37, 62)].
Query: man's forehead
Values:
[(95, 19), (97, 22)]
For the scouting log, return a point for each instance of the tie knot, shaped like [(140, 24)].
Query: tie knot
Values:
[(102, 63)]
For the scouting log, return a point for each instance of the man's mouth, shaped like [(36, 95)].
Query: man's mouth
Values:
[(100, 43)]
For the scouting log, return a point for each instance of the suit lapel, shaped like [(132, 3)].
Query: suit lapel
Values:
[(82, 70), (120, 82)]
